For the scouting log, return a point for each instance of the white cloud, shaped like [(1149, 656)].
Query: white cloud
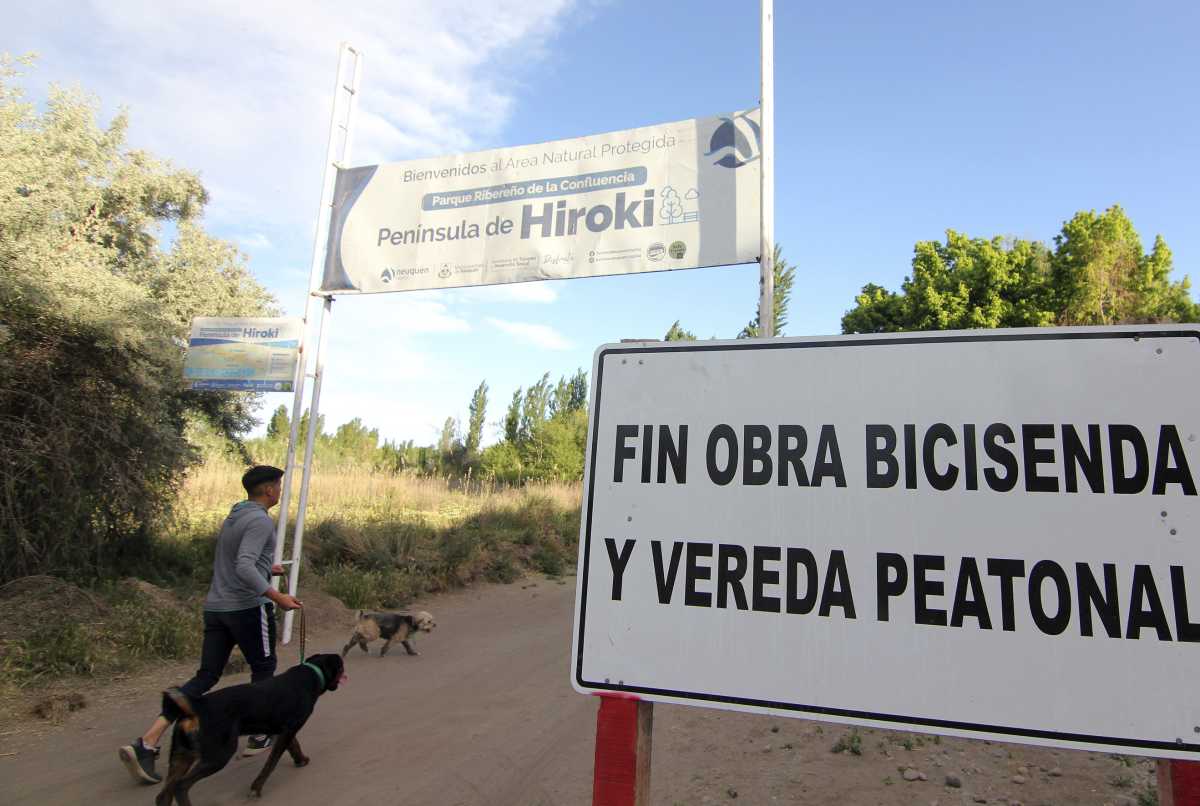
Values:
[(255, 240), (241, 91), (542, 336)]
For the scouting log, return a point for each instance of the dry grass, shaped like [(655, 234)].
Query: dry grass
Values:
[(380, 540), (214, 486)]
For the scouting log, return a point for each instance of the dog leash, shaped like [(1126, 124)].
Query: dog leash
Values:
[(302, 635)]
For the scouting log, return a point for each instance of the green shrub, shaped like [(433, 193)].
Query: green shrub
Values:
[(65, 649), (358, 589), (548, 559)]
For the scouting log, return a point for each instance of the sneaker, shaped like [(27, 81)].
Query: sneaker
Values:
[(139, 760), (257, 744)]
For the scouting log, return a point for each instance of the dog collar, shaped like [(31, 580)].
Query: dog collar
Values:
[(316, 669)]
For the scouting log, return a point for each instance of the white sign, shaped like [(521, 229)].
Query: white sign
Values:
[(985, 533), (255, 354), (675, 196)]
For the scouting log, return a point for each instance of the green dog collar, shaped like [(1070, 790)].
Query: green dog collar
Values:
[(320, 674)]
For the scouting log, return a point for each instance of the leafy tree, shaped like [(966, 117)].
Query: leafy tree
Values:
[(577, 399), (677, 333), (449, 436), (475, 428), (785, 275), (512, 419), (302, 430), (962, 283), (353, 443), (555, 449), (1102, 275), (279, 427), (94, 315), (502, 461), (1097, 274), (534, 408)]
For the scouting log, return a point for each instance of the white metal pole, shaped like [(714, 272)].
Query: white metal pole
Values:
[(290, 461), (766, 262), (314, 414), (314, 273), (319, 246)]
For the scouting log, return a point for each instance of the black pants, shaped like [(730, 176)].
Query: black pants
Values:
[(253, 631)]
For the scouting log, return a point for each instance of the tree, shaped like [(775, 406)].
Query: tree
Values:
[(475, 427), (785, 276), (279, 427), (449, 437), (577, 400), (94, 315), (512, 419), (677, 333), (353, 443), (1097, 274), (534, 408), (1102, 276)]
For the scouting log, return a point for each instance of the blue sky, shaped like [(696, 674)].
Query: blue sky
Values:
[(894, 122)]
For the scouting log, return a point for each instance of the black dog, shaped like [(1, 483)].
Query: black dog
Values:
[(207, 728)]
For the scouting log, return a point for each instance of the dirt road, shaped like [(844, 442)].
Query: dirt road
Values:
[(485, 716)]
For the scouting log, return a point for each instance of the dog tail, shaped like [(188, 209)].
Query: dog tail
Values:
[(177, 707)]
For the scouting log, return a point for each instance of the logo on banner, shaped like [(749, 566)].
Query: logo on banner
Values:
[(656, 251), (678, 250), (445, 272), (735, 142)]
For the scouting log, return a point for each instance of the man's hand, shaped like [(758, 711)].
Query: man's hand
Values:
[(289, 602), (284, 600), (277, 569)]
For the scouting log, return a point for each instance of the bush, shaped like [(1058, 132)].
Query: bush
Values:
[(93, 312), (65, 649), (358, 589), (548, 559)]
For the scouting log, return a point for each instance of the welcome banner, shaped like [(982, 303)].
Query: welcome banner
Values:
[(675, 196)]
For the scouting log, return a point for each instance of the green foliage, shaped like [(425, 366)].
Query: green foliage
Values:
[(535, 408), (512, 418), (785, 276), (545, 433), (677, 333), (279, 426), (356, 587), (851, 742), (94, 313), (134, 628), (478, 411), (1097, 274), (502, 461)]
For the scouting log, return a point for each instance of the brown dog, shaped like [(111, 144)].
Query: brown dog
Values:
[(401, 627)]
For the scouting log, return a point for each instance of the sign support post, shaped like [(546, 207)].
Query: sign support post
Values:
[(341, 119), (766, 255), (1178, 782), (624, 727)]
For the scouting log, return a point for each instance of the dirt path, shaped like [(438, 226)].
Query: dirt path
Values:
[(485, 716)]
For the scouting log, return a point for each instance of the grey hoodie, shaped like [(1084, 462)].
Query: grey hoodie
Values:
[(242, 567)]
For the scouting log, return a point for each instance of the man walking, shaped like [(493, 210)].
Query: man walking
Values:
[(239, 609)]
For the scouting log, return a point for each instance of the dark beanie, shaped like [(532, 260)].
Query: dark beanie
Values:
[(258, 474)]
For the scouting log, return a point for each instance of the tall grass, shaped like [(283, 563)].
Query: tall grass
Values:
[(215, 486), (379, 540)]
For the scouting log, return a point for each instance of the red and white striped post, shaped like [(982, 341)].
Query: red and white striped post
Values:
[(1178, 782), (624, 726)]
